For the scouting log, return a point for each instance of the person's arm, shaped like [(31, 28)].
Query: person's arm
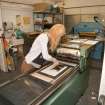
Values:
[(45, 54), (44, 50)]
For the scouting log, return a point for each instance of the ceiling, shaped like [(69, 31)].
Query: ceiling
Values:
[(31, 1)]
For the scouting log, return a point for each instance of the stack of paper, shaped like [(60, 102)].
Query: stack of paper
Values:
[(74, 52)]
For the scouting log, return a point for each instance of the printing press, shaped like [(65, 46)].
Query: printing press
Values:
[(61, 84), (92, 30)]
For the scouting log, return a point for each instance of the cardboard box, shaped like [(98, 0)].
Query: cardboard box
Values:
[(40, 7)]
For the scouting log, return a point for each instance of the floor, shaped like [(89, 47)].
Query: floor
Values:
[(4, 76), (91, 94)]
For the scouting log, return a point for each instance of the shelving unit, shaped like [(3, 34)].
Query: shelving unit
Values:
[(44, 20)]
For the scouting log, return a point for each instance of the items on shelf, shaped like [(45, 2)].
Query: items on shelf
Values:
[(11, 48), (45, 20)]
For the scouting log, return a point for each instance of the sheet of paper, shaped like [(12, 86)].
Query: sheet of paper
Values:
[(78, 40), (74, 52), (42, 77), (70, 45), (53, 72), (91, 42), (68, 63)]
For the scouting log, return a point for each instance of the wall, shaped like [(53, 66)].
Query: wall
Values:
[(80, 3), (87, 9), (71, 21), (29, 1), (0, 19), (9, 12), (84, 6)]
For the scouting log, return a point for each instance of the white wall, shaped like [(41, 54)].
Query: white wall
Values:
[(71, 21), (84, 6), (9, 12), (80, 3), (30, 1), (0, 19), (86, 9)]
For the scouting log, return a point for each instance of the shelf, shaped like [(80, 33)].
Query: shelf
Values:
[(43, 23), (47, 13), (45, 20)]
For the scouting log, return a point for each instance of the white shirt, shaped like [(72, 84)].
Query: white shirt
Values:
[(39, 46)]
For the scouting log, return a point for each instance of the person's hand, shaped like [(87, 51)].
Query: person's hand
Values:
[(55, 61)]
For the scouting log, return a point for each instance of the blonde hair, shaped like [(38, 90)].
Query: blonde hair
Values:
[(55, 34)]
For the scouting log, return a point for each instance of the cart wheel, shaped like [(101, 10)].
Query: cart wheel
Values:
[(101, 100)]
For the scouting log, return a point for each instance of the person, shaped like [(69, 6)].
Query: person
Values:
[(40, 49)]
